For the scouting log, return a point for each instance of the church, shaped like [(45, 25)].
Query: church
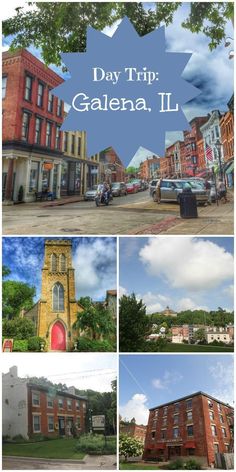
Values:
[(56, 311)]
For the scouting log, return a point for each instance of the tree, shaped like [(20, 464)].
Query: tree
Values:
[(131, 170), (57, 27), (18, 328), (129, 446), (200, 335), (95, 321), (133, 324), (15, 296), (5, 271)]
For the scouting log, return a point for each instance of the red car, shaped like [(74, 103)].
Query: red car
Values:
[(131, 188)]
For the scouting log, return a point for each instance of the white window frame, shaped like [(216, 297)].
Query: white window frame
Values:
[(39, 416), (38, 395), (51, 430)]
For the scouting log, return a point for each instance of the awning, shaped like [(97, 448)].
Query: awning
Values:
[(190, 445), (160, 446), (230, 168)]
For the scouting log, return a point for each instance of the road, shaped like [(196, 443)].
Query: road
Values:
[(89, 463), (133, 214)]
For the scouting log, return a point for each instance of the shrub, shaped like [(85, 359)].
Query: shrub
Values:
[(34, 343), (192, 464), (178, 464), (19, 328), (19, 438), (95, 444), (20, 345), (91, 345)]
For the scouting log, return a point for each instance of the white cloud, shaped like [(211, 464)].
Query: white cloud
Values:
[(154, 302), (96, 268), (223, 375), (190, 263), (168, 379), (136, 408), (189, 304), (229, 290), (122, 291)]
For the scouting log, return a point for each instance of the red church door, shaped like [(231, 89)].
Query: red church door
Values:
[(58, 337)]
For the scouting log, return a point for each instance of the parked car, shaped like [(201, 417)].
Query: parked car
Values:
[(130, 187), (91, 193), (152, 187), (118, 189), (138, 185), (171, 190)]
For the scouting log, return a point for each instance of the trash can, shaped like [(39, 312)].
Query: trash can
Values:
[(188, 204)]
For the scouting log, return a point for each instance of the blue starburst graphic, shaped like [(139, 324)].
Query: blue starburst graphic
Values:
[(126, 91)]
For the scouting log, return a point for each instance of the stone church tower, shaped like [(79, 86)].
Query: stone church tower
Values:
[(57, 308)]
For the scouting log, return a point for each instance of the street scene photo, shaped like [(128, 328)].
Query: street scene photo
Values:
[(59, 294), (176, 412), (58, 415), (176, 294), (51, 185)]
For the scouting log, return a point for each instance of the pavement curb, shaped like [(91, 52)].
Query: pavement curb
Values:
[(43, 459)]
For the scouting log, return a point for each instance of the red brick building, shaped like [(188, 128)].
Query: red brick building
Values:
[(31, 409), (191, 138), (111, 167), (132, 429), (150, 168), (197, 425), (227, 139), (32, 116)]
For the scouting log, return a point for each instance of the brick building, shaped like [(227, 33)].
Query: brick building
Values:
[(150, 168), (56, 311), (191, 163), (111, 167), (30, 409), (165, 167), (227, 139), (211, 133), (32, 116), (197, 425), (132, 429)]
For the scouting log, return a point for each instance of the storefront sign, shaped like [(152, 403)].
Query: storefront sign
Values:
[(7, 345), (47, 165), (98, 422)]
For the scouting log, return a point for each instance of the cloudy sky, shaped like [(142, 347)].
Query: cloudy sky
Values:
[(147, 381), (211, 71), (94, 261), (83, 371), (182, 272)]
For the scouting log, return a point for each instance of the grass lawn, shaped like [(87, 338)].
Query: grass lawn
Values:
[(53, 449), (196, 348), (132, 466)]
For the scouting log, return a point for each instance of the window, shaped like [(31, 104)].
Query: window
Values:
[(155, 413), (72, 144), (79, 146), (50, 423), (38, 125), (36, 423), (210, 404), (59, 107), (219, 407), (216, 448), (153, 434), (213, 430), (58, 297), (78, 422), (28, 87), (227, 447), (189, 415), (221, 419), (35, 399), (163, 433), (65, 141), (50, 101), (165, 411), (176, 419), (48, 134), (190, 430), (217, 131), (40, 95), (211, 414), (84, 406), (176, 407), (224, 432), (57, 142), (154, 423), (62, 263), (175, 432), (4, 86), (25, 126), (34, 172), (69, 404), (60, 403), (49, 402), (77, 404), (164, 421), (189, 404), (54, 262)]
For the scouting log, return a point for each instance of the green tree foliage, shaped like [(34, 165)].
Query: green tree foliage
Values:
[(129, 446), (200, 335), (218, 317), (131, 170), (94, 321), (15, 296), (57, 27), (133, 324), (5, 271), (19, 328)]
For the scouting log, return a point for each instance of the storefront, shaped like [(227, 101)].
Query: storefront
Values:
[(77, 176), (229, 173)]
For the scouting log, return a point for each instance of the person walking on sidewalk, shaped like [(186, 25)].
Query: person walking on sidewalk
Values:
[(221, 189), (157, 197)]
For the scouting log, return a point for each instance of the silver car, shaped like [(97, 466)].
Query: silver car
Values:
[(91, 193), (171, 190)]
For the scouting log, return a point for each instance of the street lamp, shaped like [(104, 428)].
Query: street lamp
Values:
[(228, 41), (231, 54), (218, 145)]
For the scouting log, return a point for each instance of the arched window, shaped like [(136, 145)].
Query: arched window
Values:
[(58, 297), (53, 262), (62, 263)]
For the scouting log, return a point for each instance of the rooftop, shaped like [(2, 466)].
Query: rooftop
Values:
[(190, 396)]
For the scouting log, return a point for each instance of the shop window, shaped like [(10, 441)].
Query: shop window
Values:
[(58, 297), (36, 423), (50, 423), (25, 126), (4, 86), (28, 88), (34, 173), (50, 101), (40, 95)]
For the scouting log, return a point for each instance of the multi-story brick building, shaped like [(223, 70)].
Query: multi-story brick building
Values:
[(196, 425), (190, 164), (165, 167), (211, 133), (227, 137), (175, 153), (30, 409), (32, 116), (111, 167), (132, 429), (150, 168)]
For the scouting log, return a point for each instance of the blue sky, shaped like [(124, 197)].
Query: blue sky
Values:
[(182, 272), (211, 71), (94, 261), (150, 380)]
